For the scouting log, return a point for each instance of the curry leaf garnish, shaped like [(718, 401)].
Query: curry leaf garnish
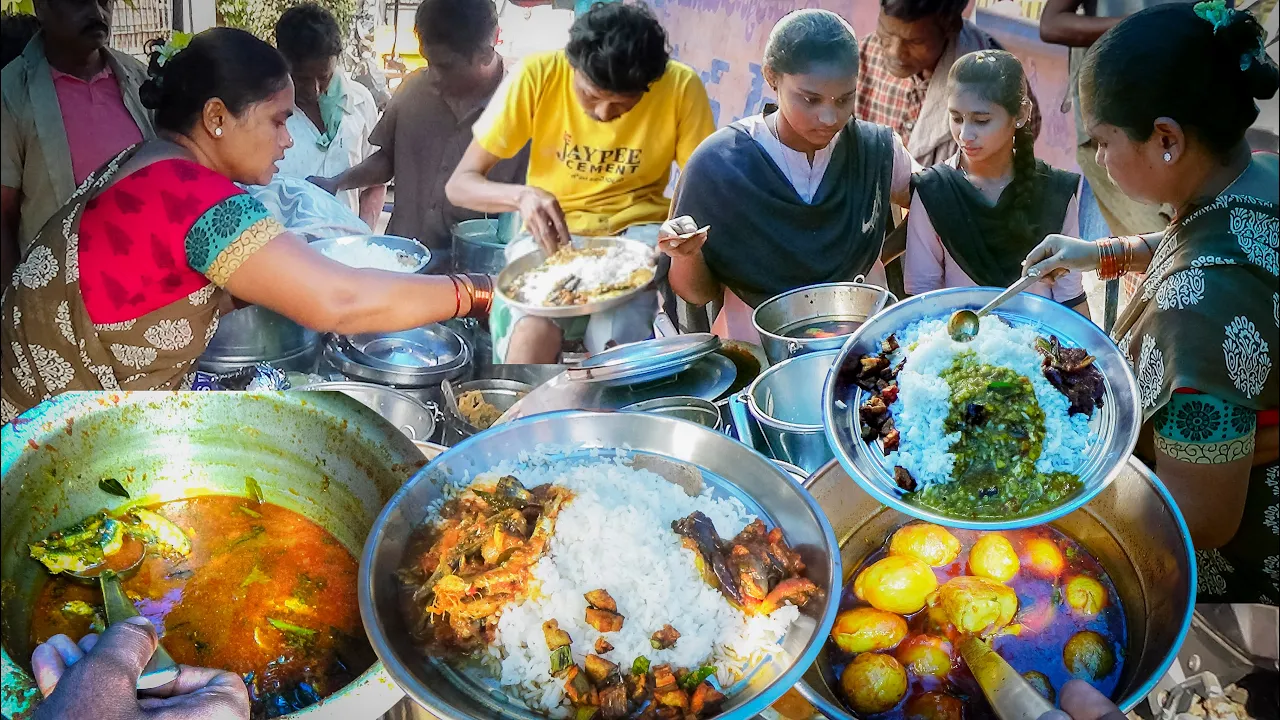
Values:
[(112, 486)]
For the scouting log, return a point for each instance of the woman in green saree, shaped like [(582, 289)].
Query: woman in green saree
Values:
[(1168, 94)]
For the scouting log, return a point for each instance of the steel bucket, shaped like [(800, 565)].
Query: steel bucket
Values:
[(416, 420), (477, 247), (500, 393), (693, 409), (680, 451), (1133, 528), (174, 445), (846, 301), (780, 414)]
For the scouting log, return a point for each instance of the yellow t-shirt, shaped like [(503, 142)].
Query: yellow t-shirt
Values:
[(607, 176)]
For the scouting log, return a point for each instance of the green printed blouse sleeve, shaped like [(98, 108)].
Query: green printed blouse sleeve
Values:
[(1204, 429), (227, 234)]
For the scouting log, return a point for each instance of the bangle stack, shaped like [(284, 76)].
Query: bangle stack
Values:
[(1110, 252), (481, 287)]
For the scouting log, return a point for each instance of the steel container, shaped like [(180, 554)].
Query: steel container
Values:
[(323, 455), (784, 405), (253, 335), (1133, 528), (846, 301), (413, 418), (685, 453), (1113, 429), (500, 393)]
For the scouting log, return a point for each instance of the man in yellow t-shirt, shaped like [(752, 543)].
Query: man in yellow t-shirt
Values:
[(605, 117)]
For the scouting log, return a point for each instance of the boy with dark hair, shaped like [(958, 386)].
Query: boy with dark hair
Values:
[(607, 116), (333, 115), (427, 125), (903, 79)]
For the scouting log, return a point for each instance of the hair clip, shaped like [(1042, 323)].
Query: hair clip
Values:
[(1216, 13), (176, 43)]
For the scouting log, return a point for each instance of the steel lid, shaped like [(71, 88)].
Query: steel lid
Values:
[(645, 361), (424, 349), (708, 378)]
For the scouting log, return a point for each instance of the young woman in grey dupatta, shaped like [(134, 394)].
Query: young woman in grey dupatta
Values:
[(795, 196)]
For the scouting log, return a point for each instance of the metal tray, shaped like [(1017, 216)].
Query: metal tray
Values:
[(528, 262), (406, 245), (645, 361), (1114, 428), (682, 452)]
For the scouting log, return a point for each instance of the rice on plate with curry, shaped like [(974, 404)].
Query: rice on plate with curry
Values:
[(508, 583)]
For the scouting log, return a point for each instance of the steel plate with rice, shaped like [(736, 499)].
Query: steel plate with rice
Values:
[(1020, 425), (589, 276), (485, 586)]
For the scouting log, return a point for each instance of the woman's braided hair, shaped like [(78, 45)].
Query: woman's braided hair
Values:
[(997, 77)]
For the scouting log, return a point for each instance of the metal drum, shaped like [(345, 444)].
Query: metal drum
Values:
[(692, 456), (849, 304), (1114, 428), (1133, 528)]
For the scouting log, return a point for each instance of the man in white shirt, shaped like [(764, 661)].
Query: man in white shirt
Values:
[(333, 115)]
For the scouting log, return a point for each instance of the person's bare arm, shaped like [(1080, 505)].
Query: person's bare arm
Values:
[(1061, 25), (1211, 497), (470, 187), (10, 254), (302, 284), (377, 169), (689, 275), (371, 201)]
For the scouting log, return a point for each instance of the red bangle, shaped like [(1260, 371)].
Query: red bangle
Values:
[(457, 297)]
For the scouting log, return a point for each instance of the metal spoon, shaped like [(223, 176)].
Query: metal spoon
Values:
[(963, 325), (678, 240), (1011, 696), (161, 669)]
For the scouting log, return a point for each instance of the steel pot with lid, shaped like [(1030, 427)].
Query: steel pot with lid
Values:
[(253, 335), (816, 318), (785, 405), (415, 361)]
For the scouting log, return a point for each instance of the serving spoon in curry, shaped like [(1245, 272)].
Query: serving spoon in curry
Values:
[(1010, 695), (161, 668), (963, 325)]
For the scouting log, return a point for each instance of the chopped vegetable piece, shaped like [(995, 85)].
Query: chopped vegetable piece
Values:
[(585, 712), (255, 576), (637, 688), (577, 687), (78, 607), (673, 697), (603, 646), (601, 600), (663, 678), (112, 486), (555, 637), (250, 512), (640, 666), (561, 659), (290, 629), (603, 620), (664, 638), (694, 679), (254, 489), (613, 702), (705, 699), (599, 669), (155, 529)]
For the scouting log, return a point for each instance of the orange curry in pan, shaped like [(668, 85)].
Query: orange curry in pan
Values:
[(265, 593)]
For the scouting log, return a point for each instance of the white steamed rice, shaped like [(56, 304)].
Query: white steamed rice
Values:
[(372, 255), (614, 267), (616, 534), (924, 398)]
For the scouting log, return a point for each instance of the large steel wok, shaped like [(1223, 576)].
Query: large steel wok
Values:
[(1132, 527), (324, 455), (680, 451)]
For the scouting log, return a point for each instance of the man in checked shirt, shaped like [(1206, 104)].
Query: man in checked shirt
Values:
[(903, 76)]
